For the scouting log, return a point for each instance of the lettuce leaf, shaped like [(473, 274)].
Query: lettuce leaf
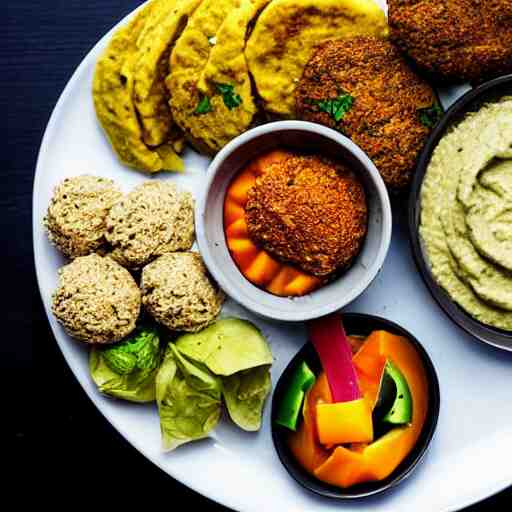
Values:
[(226, 347), (127, 369), (245, 393), (188, 398)]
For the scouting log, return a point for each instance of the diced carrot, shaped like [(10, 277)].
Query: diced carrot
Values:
[(262, 270), (232, 212), (301, 284), (243, 251), (278, 284), (264, 161), (240, 186), (237, 229)]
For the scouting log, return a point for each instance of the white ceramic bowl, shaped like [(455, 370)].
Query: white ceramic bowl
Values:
[(305, 137)]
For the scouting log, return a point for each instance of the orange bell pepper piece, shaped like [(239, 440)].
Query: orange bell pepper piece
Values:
[(345, 422), (379, 459)]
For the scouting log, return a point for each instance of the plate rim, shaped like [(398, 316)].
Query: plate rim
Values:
[(43, 149)]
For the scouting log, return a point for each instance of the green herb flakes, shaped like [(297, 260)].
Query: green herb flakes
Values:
[(230, 97), (337, 107), (430, 116), (204, 106)]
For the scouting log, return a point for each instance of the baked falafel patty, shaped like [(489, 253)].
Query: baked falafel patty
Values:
[(153, 219), (455, 39), (178, 293), (308, 211), (385, 115), (76, 217), (97, 300)]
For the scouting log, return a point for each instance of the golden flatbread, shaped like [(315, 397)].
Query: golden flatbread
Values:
[(113, 101), (211, 97), (163, 26), (286, 34)]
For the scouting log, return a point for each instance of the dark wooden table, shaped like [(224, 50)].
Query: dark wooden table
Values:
[(84, 460)]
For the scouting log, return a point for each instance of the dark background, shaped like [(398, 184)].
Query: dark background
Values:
[(56, 427)]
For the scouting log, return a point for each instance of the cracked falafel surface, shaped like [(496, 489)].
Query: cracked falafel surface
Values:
[(178, 293), (76, 217), (153, 219), (97, 300)]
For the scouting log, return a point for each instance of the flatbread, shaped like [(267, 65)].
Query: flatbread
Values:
[(286, 34), (163, 26), (113, 101), (208, 53)]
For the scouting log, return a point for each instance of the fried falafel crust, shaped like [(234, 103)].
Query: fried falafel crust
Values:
[(308, 211), (384, 119), (455, 39)]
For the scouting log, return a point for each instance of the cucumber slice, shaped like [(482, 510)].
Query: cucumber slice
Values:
[(394, 403)]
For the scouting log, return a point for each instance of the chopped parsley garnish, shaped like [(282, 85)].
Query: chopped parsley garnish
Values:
[(204, 106), (430, 116), (230, 97), (336, 107)]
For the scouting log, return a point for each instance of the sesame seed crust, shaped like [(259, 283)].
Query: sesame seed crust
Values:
[(97, 300)]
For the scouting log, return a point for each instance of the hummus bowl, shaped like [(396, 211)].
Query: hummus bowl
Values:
[(303, 137), (469, 103)]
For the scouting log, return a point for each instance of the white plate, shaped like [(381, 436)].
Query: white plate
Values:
[(470, 456)]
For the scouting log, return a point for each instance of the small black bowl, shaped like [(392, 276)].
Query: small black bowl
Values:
[(362, 325), (469, 102)]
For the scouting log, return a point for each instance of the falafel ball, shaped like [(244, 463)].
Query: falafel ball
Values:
[(455, 40), (76, 215), (153, 219), (178, 293), (97, 300), (308, 211), (384, 116)]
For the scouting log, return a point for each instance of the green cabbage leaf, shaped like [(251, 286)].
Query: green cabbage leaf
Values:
[(188, 397), (128, 369)]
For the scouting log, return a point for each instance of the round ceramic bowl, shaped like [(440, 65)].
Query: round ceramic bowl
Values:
[(469, 102), (356, 324), (303, 137)]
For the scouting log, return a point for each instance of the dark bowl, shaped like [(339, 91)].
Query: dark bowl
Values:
[(469, 102), (363, 325)]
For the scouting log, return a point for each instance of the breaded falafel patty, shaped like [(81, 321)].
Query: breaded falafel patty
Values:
[(455, 39), (153, 219), (178, 293), (384, 117), (76, 215), (308, 211), (97, 300)]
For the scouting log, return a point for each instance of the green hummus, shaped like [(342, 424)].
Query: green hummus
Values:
[(466, 217)]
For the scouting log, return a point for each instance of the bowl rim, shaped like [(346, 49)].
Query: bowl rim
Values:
[(381, 196), (487, 334), (416, 455)]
